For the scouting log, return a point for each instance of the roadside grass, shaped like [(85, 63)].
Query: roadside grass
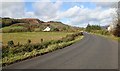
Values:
[(22, 52), (106, 34), (35, 37), (119, 39), (109, 36), (0, 37)]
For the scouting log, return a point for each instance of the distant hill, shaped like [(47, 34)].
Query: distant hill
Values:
[(32, 21), (34, 24), (11, 21)]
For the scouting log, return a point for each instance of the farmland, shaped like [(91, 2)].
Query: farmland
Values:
[(35, 37)]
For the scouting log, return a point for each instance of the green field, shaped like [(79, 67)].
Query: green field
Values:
[(35, 37), (13, 53)]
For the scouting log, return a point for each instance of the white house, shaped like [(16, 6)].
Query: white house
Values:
[(111, 27), (47, 29)]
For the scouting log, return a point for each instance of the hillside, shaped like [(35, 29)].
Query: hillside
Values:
[(33, 24)]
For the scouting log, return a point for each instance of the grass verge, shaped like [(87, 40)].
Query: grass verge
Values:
[(109, 37)]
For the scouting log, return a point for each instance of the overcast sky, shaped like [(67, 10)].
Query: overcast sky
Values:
[(75, 13)]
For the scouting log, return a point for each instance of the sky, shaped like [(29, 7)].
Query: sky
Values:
[(75, 13)]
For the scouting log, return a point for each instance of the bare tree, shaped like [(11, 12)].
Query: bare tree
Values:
[(116, 32)]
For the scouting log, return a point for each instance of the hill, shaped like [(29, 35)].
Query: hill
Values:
[(33, 24)]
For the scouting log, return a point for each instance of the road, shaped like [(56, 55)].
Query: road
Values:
[(92, 52)]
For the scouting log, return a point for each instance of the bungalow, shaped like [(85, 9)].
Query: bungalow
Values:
[(47, 29)]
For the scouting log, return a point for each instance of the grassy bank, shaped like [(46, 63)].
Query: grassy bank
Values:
[(110, 36), (119, 39), (12, 54)]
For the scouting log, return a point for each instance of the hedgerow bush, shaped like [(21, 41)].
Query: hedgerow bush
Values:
[(102, 32), (71, 37)]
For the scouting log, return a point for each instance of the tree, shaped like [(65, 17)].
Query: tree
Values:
[(89, 27), (116, 32)]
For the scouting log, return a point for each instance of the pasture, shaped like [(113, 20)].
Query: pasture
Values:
[(35, 37)]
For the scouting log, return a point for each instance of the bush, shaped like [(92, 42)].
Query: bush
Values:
[(10, 43), (28, 47), (56, 41), (105, 32), (29, 41), (66, 39), (71, 37), (19, 49), (45, 44), (41, 40), (38, 46), (54, 29), (5, 51), (116, 32)]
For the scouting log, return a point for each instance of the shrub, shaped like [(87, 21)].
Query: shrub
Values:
[(37, 46), (55, 29), (28, 47), (5, 51), (41, 40), (10, 43), (56, 41), (18, 49), (29, 41), (105, 32), (116, 32), (68, 39), (45, 44)]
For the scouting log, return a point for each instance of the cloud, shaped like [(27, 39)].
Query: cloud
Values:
[(30, 15), (12, 9), (47, 10), (107, 4), (12, 0), (103, 0), (78, 15), (70, 12)]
